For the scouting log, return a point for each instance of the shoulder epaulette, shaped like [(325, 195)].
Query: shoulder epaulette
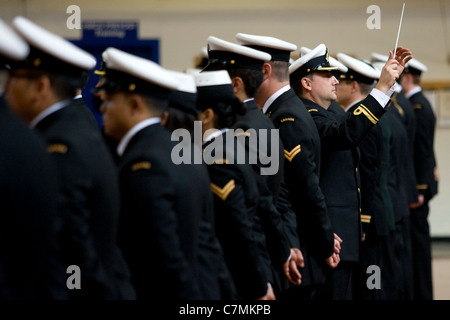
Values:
[(141, 165), (57, 148), (287, 119)]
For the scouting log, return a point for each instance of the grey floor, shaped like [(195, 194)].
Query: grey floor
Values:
[(441, 269)]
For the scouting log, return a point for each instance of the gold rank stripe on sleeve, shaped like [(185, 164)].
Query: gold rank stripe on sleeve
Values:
[(313, 110), (57, 148), (291, 154), (365, 218), (223, 193), (220, 161), (422, 186), (364, 110), (287, 119), (396, 105), (143, 165)]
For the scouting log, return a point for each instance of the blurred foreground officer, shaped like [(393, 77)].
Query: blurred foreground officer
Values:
[(214, 280), (314, 80), (233, 184), (426, 178), (354, 86), (30, 269), (301, 164), (159, 223), (244, 65), (41, 90)]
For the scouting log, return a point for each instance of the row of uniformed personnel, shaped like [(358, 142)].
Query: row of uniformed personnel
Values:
[(145, 226)]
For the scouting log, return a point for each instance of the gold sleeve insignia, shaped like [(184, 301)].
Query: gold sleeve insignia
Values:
[(291, 154), (417, 106), (364, 110), (223, 193), (313, 110), (247, 134), (365, 218), (220, 161), (57, 148), (287, 119), (142, 165)]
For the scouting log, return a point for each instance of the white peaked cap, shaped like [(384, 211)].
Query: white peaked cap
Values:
[(187, 81), (318, 51), (334, 62), (215, 43), (378, 57), (204, 52), (265, 41), (416, 64), (280, 50), (12, 46), (53, 44), (212, 78), (138, 67), (378, 60), (358, 66)]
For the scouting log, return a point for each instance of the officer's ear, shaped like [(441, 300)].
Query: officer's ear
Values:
[(267, 70), (306, 83), (139, 108), (239, 88), (207, 116), (165, 118), (42, 85)]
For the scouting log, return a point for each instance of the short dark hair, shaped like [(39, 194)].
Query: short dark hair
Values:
[(280, 69), (156, 104), (297, 86), (180, 119), (252, 79)]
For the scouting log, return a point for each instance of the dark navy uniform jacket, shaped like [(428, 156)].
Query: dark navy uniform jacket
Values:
[(371, 150), (405, 112), (30, 267), (161, 207), (301, 173), (341, 131), (89, 203), (236, 198), (270, 219), (424, 156)]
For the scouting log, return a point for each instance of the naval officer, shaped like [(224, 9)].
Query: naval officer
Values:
[(159, 220), (301, 145), (31, 268), (244, 66), (41, 90), (426, 178), (313, 76)]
